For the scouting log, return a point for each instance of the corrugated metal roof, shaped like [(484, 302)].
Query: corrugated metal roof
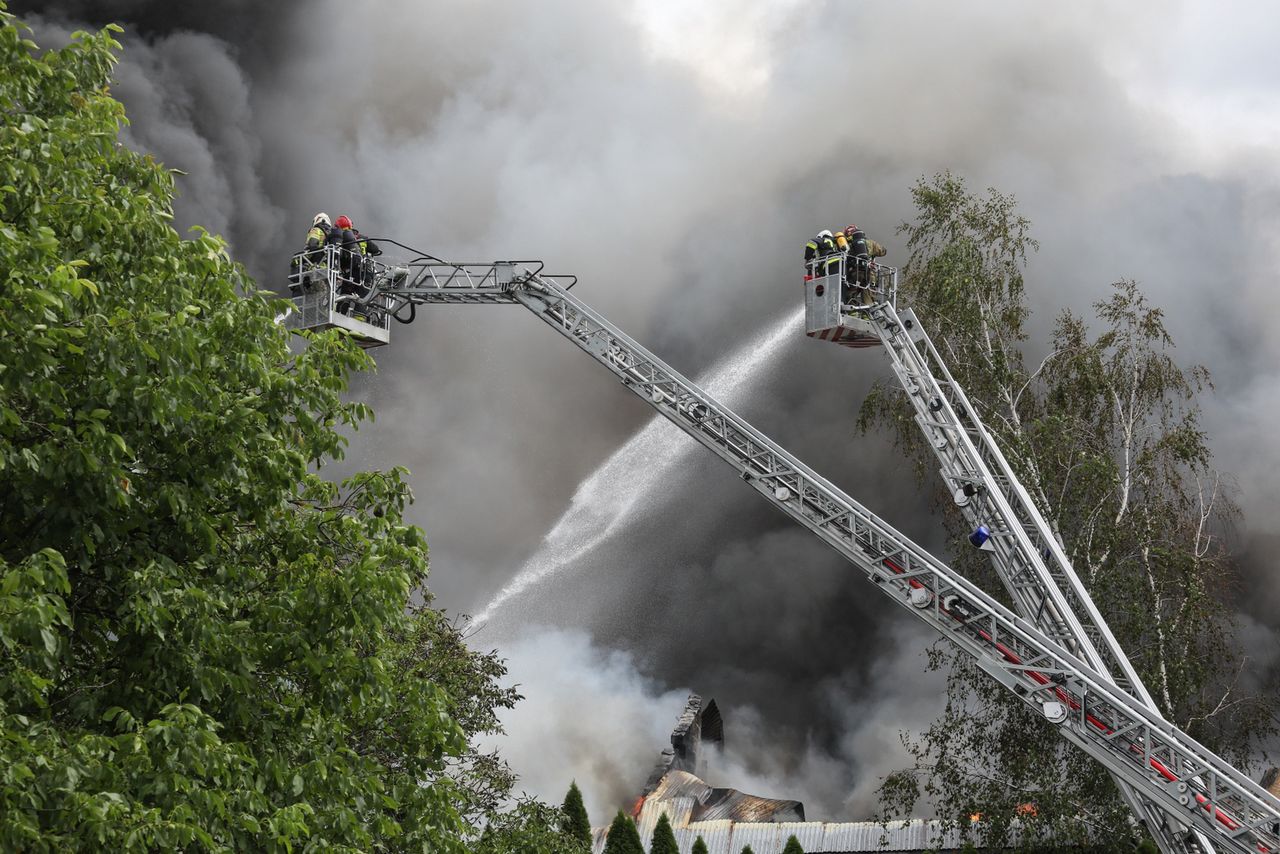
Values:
[(714, 833), (815, 837), (809, 833), (678, 812), (761, 837), (735, 805), (724, 836), (679, 784), (712, 804), (684, 798)]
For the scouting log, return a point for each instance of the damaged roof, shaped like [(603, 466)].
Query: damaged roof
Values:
[(709, 803), (727, 820)]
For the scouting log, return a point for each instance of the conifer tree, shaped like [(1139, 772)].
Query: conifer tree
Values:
[(530, 827), (575, 823), (623, 836), (793, 846), (664, 838), (699, 846), (746, 849)]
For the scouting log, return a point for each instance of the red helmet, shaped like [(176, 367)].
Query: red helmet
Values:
[(848, 229), (343, 221)]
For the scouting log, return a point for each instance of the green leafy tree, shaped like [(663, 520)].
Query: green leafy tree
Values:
[(699, 846), (623, 836), (746, 849), (664, 838), (793, 846), (574, 821), (432, 648), (204, 644), (530, 828), (1104, 434)]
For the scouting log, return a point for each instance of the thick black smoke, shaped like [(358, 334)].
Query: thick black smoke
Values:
[(676, 160)]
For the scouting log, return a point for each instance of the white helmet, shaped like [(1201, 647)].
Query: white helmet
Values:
[(321, 217), (826, 232)]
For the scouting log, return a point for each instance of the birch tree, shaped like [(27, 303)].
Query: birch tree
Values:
[(1104, 432)]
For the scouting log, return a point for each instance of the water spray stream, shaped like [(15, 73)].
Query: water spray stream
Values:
[(630, 477)]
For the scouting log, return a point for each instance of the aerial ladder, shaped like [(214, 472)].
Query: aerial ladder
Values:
[(1055, 654), (856, 310)]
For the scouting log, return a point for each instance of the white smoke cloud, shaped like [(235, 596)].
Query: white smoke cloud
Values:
[(588, 715), (591, 715), (675, 157), (842, 780)]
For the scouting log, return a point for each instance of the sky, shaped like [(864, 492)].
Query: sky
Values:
[(676, 159)]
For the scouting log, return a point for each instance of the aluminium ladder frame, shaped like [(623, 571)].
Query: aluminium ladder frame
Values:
[(1025, 553), (1177, 776)]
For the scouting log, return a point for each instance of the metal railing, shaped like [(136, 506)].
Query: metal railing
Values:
[(333, 279), (1025, 554), (1176, 775), (864, 281)]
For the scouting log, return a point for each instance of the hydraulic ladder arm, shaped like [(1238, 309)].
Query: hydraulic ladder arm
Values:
[(1025, 551), (1176, 775)]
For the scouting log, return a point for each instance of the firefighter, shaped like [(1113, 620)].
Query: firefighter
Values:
[(819, 252), (318, 237), (366, 247), (834, 255), (313, 258), (344, 238), (860, 269), (349, 260)]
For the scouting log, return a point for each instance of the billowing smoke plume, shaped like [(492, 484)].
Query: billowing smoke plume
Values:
[(676, 160)]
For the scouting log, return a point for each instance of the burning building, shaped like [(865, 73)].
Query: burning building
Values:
[(727, 819)]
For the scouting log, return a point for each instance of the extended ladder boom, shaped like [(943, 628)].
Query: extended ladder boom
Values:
[(854, 303), (1025, 553), (1175, 774)]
